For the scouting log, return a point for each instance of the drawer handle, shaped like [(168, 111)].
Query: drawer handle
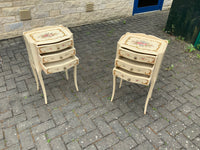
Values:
[(129, 79), (61, 57), (65, 68), (131, 69), (58, 48), (135, 58)]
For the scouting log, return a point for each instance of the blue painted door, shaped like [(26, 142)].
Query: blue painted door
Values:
[(147, 5)]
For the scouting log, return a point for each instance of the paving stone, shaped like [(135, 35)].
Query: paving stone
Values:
[(1, 134), (194, 118), (43, 113), (58, 130), (159, 125), (185, 142), (84, 109), (14, 147), (14, 120), (27, 124), (196, 141), (5, 115), (43, 127), (128, 118), (102, 126), (197, 112), (90, 138), (127, 144), (21, 86), (173, 105), (166, 114), (112, 115), (11, 136), (146, 145), (4, 105), (107, 142), (169, 142), (74, 146), (192, 99), (87, 123), (75, 134), (91, 147), (26, 140), (175, 128), (30, 111), (186, 108), (58, 144), (118, 129), (173, 110), (143, 121), (71, 106), (10, 84), (2, 144), (58, 116), (41, 142), (135, 133), (17, 107), (97, 112), (192, 132), (152, 137), (57, 93), (182, 117)]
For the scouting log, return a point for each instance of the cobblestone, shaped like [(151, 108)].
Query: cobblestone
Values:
[(107, 142), (87, 119), (118, 129), (11, 136), (26, 139), (58, 144)]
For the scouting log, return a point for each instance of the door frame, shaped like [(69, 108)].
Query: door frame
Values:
[(147, 8)]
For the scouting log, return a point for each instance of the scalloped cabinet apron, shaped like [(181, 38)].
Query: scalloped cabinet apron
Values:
[(138, 60), (51, 49)]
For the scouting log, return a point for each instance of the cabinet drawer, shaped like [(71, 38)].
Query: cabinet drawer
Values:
[(131, 77), (55, 46), (135, 67), (57, 56), (60, 65), (137, 56)]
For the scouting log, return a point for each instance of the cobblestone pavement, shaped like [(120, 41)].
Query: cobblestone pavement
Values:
[(87, 119)]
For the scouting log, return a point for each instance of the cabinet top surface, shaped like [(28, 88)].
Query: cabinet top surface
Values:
[(143, 43), (48, 34)]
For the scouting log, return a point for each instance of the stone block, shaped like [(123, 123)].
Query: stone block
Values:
[(13, 26)]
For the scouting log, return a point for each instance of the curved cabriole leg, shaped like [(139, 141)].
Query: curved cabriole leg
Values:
[(42, 85), (35, 76), (114, 85), (75, 77), (120, 84), (67, 76), (149, 96)]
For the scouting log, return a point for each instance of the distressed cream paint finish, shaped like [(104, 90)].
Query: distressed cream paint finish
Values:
[(51, 49), (138, 60)]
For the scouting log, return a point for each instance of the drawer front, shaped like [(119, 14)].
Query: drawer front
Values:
[(57, 56), (55, 47), (133, 68), (61, 67), (136, 56), (131, 78)]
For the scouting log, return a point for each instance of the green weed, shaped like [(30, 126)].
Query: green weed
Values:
[(170, 67)]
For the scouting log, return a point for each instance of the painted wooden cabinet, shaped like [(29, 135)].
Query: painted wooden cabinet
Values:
[(138, 60), (51, 49)]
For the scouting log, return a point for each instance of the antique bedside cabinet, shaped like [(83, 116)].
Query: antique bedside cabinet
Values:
[(51, 49), (138, 60)]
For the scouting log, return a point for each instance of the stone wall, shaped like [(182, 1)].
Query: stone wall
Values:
[(54, 12)]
